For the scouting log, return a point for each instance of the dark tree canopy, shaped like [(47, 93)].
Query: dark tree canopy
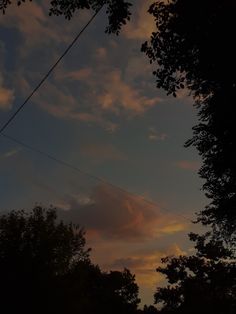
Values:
[(201, 283), (45, 268), (194, 48), (193, 45)]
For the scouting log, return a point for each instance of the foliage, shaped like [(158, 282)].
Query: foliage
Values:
[(149, 310), (193, 49), (45, 267), (201, 283)]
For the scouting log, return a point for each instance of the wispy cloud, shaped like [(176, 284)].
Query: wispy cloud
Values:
[(10, 153), (118, 96), (154, 135), (187, 165), (101, 96)]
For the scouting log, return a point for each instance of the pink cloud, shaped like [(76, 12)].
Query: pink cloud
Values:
[(112, 214)]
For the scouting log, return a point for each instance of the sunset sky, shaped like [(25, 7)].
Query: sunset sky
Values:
[(101, 112)]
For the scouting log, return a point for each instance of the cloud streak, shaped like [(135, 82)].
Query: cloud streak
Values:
[(188, 165), (154, 135)]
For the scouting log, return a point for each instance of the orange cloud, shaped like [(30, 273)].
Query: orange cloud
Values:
[(6, 96), (121, 216), (61, 104), (118, 96), (143, 264), (111, 94), (37, 27), (142, 24)]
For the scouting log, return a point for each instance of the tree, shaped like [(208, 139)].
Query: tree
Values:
[(35, 251), (149, 310), (45, 267), (193, 48), (201, 283)]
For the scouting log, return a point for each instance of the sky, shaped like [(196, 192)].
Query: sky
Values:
[(99, 111)]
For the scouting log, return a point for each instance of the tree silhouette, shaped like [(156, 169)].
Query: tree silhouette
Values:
[(45, 267), (193, 48), (149, 310), (201, 283)]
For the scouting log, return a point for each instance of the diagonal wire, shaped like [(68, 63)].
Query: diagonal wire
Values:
[(94, 177), (12, 117)]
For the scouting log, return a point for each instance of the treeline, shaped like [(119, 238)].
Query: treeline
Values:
[(45, 268)]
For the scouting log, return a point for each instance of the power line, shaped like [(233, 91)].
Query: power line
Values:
[(94, 177), (49, 72)]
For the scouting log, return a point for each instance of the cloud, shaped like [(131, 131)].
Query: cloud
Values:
[(144, 264), (112, 214), (109, 92), (142, 24), (79, 75), (34, 24), (118, 96), (102, 152), (188, 165), (11, 153), (6, 96), (61, 104), (101, 53), (154, 135), (99, 97)]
